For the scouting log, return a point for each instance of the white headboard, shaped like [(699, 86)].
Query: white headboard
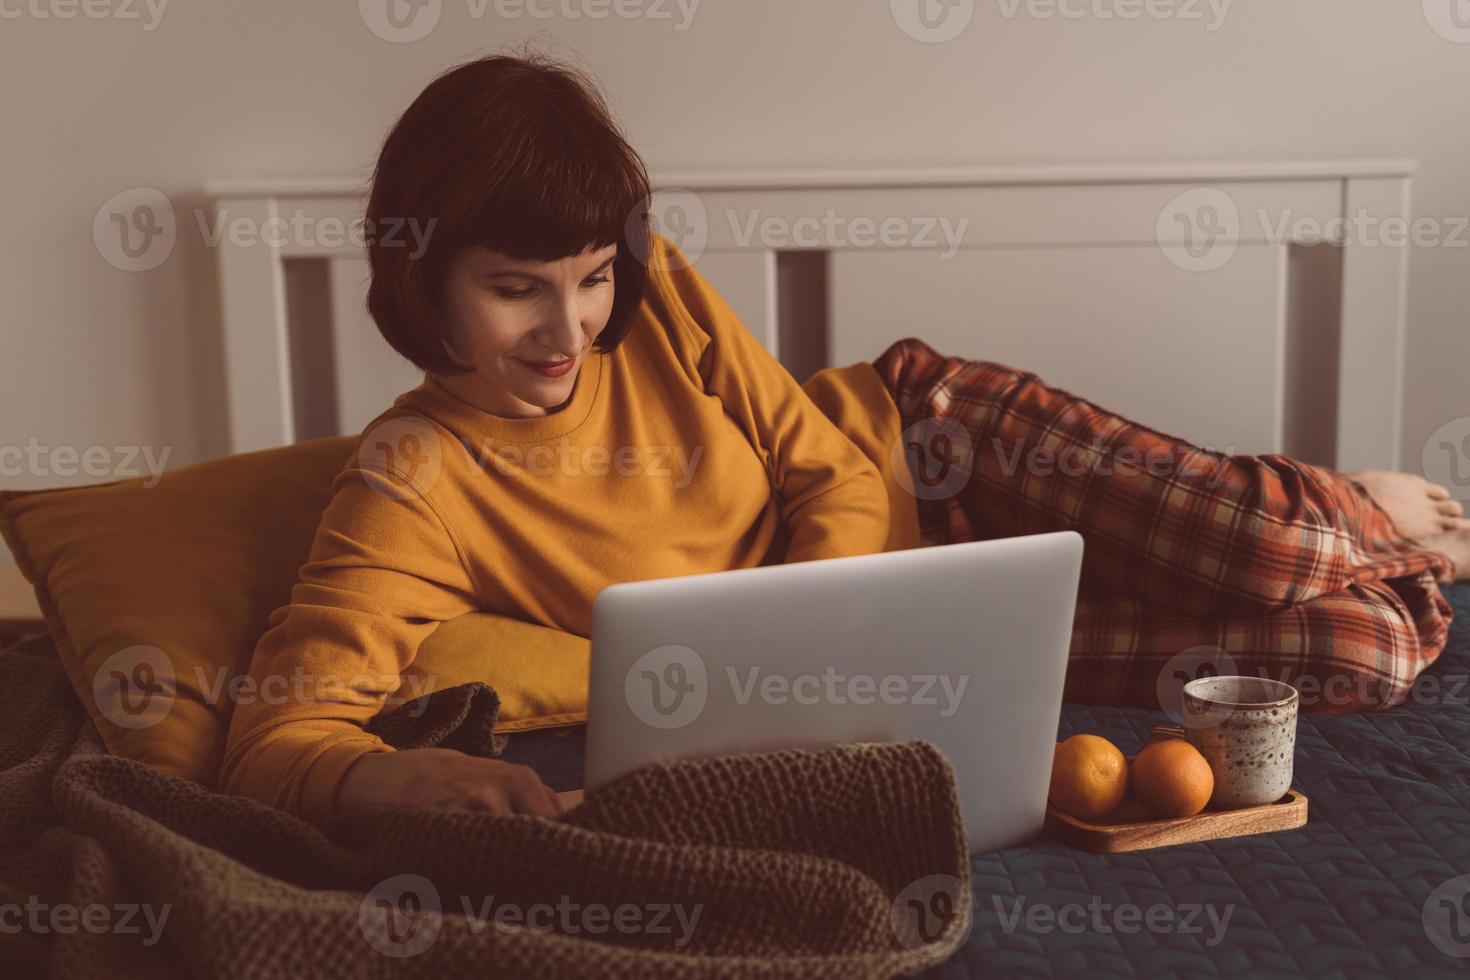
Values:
[(1197, 299)]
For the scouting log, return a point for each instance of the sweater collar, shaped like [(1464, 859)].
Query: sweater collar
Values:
[(438, 402)]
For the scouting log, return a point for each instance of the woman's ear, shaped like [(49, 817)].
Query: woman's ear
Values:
[(453, 354), (434, 294)]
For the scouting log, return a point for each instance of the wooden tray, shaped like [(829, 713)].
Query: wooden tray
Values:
[(1132, 828)]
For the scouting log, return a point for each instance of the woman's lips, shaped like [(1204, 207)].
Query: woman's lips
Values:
[(549, 369)]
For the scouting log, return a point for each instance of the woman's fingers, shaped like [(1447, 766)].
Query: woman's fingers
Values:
[(446, 779), (528, 794), (489, 799), (455, 781), (1438, 492), (558, 806)]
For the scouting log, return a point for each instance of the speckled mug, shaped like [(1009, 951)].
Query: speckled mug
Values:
[(1245, 727)]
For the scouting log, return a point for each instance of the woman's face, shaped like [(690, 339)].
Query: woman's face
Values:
[(508, 317)]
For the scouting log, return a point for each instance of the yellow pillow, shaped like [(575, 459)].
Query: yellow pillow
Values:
[(539, 672), (169, 587)]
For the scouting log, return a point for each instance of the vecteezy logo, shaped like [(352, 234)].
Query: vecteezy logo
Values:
[(401, 916), (678, 215), (933, 458), (135, 687), (667, 687), (1446, 917), (932, 21), (1446, 457), (135, 229), (1449, 18), (1191, 665), (405, 452), (400, 21), (1199, 229), (926, 908)]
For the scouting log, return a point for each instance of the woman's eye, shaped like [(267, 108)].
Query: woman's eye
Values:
[(523, 292)]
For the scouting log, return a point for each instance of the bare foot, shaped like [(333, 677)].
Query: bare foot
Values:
[(1418, 508), (1456, 544)]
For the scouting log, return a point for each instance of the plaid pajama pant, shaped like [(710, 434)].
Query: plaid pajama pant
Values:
[(1258, 565)]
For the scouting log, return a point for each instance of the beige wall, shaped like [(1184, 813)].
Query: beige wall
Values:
[(97, 357)]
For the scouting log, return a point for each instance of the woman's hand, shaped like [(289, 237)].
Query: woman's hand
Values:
[(444, 779)]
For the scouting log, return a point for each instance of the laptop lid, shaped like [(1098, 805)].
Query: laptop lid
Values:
[(963, 645)]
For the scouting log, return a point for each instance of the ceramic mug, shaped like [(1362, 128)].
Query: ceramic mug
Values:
[(1245, 727)]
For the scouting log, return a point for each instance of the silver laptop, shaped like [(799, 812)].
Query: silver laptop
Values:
[(962, 645)]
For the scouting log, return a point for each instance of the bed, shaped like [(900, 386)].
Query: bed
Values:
[(1373, 885), (1346, 895), (1091, 254)]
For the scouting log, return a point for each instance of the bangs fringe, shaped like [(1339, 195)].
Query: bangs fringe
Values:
[(579, 197)]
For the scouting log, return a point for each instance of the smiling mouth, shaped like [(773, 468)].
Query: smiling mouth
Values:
[(550, 369)]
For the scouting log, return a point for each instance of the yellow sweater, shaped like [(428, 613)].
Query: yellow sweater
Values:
[(688, 449)]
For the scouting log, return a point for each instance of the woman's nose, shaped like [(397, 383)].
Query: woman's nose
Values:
[(566, 333)]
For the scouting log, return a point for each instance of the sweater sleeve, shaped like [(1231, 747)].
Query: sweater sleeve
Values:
[(383, 572), (833, 501)]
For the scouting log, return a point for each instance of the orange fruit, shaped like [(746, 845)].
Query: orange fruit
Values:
[(1089, 777), (1171, 779)]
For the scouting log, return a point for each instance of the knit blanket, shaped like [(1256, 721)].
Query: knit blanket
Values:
[(847, 862)]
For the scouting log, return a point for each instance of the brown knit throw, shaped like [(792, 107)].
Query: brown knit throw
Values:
[(848, 862)]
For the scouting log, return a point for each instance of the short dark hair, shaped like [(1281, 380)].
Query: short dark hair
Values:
[(516, 154)]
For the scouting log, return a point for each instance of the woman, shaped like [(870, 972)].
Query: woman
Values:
[(592, 412)]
